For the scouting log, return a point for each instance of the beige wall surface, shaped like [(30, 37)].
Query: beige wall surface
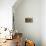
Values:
[(35, 9), (25, 9), (28, 8)]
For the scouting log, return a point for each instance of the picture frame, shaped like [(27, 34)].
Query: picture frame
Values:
[(28, 20)]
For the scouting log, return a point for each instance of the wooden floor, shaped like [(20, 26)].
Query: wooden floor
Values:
[(16, 41), (8, 43)]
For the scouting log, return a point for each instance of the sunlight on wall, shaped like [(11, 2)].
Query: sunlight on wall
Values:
[(6, 13)]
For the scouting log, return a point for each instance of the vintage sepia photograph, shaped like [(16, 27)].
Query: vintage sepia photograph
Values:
[(22, 22)]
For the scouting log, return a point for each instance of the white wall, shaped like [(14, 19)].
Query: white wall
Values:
[(43, 22), (39, 20), (28, 8), (6, 13)]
